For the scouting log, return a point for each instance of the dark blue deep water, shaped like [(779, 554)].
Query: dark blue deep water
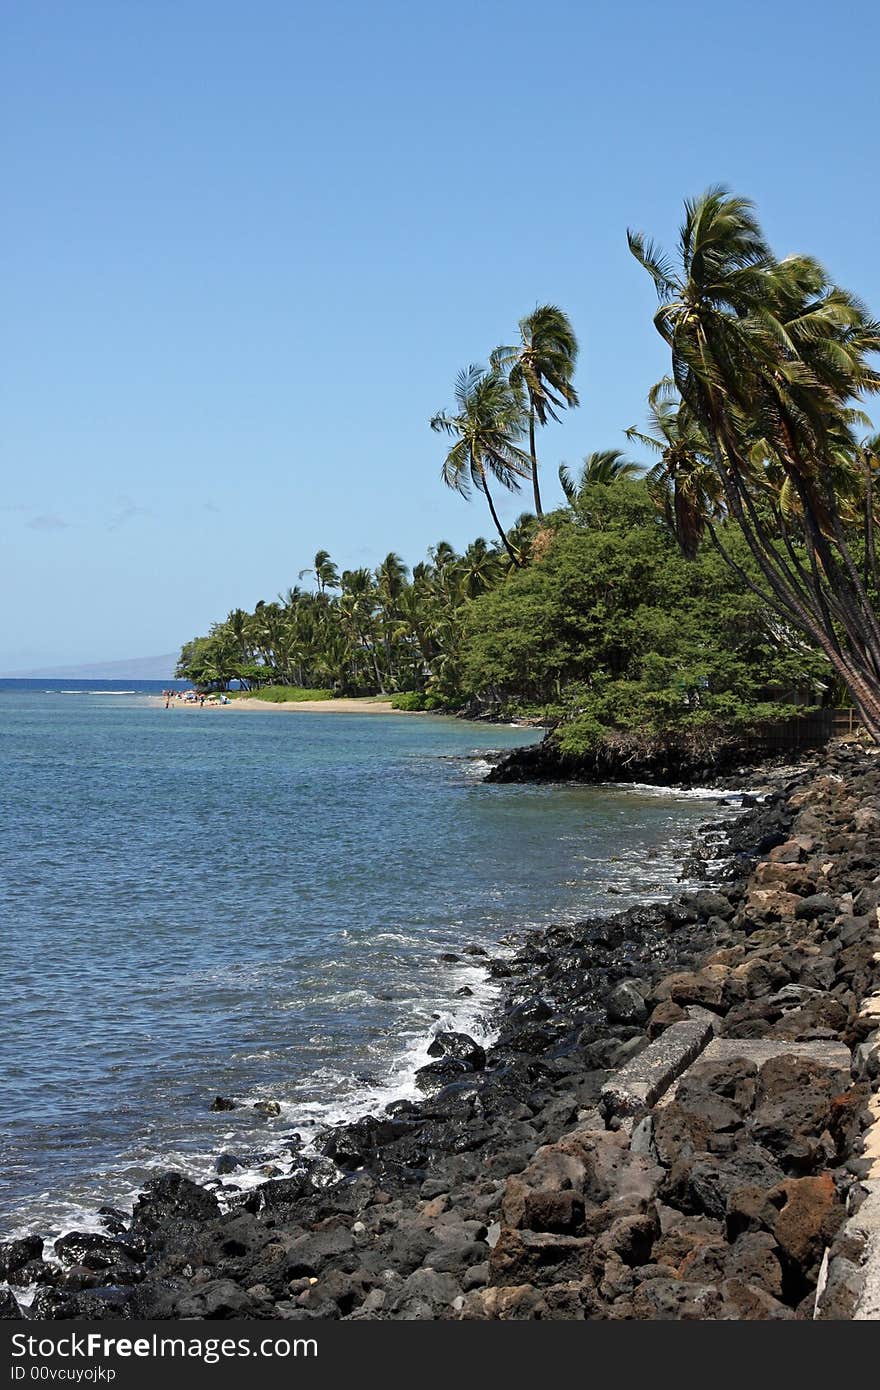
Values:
[(196, 902)]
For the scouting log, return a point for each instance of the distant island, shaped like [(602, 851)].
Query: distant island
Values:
[(136, 668)]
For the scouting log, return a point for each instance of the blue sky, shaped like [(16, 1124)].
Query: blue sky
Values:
[(248, 247)]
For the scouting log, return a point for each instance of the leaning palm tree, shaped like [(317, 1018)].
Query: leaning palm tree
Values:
[(541, 366), (768, 356), (486, 427), (604, 466), (868, 460)]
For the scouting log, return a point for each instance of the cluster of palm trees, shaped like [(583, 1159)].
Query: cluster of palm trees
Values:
[(359, 631), (759, 425), (499, 408), (387, 629), (363, 631)]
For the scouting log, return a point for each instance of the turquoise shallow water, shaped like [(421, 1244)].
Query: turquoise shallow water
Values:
[(254, 904)]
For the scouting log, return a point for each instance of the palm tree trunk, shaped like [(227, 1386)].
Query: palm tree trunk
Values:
[(870, 556), (535, 486), (499, 528), (862, 689), (861, 636)]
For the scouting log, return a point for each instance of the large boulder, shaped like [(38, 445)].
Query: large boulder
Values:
[(706, 1182), (15, 1254), (755, 1259), (426, 1293), (527, 1256), (749, 1302), (675, 1300), (9, 1308), (310, 1252), (222, 1299), (809, 1214), (626, 1003), (172, 1200), (793, 1109), (770, 904), (459, 1046), (58, 1305), (116, 1260), (439, 1073)]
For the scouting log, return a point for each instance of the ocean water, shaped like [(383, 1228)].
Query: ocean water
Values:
[(254, 904)]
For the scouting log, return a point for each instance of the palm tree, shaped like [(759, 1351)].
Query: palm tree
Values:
[(391, 579), (325, 572), (357, 608), (603, 467), (239, 625), (479, 568), (522, 536), (442, 554), (768, 356), (683, 482), (542, 366), (486, 427), (391, 582)]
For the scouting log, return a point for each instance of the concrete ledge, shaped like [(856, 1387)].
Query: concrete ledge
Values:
[(868, 1306), (865, 1227), (866, 1222), (641, 1083), (860, 1273), (834, 1056), (760, 1050)]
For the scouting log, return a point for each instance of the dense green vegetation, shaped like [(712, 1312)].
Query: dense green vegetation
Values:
[(769, 359), (360, 632), (615, 629), (283, 694), (730, 580)]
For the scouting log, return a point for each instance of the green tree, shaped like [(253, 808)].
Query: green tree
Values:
[(541, 366), (325, 573), (614, 627), (683, 481), (768, 356), (486, 427), (604, 466)]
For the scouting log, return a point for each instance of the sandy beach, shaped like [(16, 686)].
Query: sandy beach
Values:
[(362, 704)]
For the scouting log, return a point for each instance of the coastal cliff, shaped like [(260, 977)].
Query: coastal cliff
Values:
[(545, 1176)]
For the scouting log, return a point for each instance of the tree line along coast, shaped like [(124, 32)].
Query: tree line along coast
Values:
[(729, 581)]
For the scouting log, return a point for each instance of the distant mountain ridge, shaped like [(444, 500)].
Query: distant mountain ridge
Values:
[(137, 668)]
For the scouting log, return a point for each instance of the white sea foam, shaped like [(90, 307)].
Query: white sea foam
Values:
[(681, 793), (477, 767)]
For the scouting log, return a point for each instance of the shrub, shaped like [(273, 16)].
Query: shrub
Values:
[(281, 694), (410, 700)]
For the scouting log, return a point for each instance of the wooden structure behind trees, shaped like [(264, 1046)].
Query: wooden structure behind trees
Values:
[(810, 730)]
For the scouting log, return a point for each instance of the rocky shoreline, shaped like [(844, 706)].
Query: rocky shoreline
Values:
[(534, 1180), (666, 761)]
